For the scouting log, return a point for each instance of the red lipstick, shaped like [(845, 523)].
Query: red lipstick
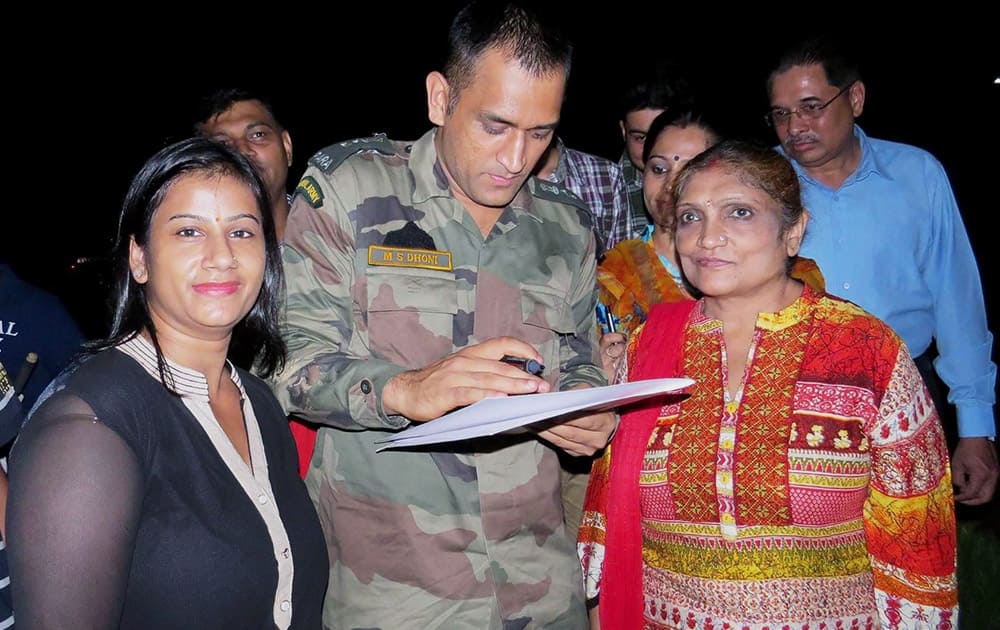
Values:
[(216, 288)]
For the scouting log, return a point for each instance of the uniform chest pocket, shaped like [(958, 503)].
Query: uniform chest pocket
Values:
[(546, 307), (411, 314), (546, 319)]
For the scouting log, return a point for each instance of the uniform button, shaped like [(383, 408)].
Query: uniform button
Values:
[(285, 553), (262, 499), (409, 148), (847, 285), (366, 386), (286, 605)]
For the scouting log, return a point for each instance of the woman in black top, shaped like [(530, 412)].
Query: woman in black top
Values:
[(157, 486)]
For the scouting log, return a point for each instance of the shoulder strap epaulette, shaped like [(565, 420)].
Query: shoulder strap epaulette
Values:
[(554, 192), (331, 157)]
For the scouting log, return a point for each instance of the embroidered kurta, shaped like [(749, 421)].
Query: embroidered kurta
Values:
[(819, 494)]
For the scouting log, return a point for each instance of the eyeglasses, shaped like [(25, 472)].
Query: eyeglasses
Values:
[(809, 111)]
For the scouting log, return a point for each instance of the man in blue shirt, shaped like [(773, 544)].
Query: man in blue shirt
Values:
[(887, 234)]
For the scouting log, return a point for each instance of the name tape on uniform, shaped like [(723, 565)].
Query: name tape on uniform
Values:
[(408, 257)]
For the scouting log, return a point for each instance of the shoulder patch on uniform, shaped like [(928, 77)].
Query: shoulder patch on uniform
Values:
[(549, 191), (554, 192), (310, 191), (332, 156)]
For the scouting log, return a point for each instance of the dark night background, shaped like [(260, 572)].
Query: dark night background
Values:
[(102, 98)]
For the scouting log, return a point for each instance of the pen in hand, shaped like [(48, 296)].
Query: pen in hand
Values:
[(528, 365)]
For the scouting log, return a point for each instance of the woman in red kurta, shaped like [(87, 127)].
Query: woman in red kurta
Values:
[(803, 481)]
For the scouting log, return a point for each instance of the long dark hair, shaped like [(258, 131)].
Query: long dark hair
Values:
[(130, 315)]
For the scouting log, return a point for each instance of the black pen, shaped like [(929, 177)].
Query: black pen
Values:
[(528, 365)]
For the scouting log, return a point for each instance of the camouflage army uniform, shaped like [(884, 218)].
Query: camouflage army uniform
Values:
[(452, 538)]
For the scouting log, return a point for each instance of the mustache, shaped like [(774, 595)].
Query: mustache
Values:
[(807, 137)]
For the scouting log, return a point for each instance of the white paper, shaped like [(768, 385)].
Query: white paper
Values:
[(496, 415)]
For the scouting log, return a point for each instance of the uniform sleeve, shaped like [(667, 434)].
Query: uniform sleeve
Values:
[(76, 491), (330, 376), (909, 517), (578, 354), (963, 340)]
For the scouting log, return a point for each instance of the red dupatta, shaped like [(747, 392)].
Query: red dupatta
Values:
[(658, 354)]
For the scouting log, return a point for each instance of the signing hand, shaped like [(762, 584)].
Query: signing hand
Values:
[(460, 379), (974, 470)]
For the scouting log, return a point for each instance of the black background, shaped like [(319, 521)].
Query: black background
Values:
[(91, 97)]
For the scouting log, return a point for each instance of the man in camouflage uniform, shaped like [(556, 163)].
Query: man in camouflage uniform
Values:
[(411, 270)]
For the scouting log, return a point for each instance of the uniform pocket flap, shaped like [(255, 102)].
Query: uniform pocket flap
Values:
[(410, 289), (546, 307)]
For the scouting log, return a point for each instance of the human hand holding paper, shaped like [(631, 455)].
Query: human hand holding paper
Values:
[(491, 416), (584, 435)]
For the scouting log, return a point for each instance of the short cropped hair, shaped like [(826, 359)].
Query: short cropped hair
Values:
[(537, 44), (840, 68), (217, 102)]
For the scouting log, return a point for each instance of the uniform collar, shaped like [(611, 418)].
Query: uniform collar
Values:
[(429, 180), (561, 170)]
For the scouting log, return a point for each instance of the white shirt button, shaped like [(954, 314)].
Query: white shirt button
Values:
[(262, 499), (286, 605), (847, 285)]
